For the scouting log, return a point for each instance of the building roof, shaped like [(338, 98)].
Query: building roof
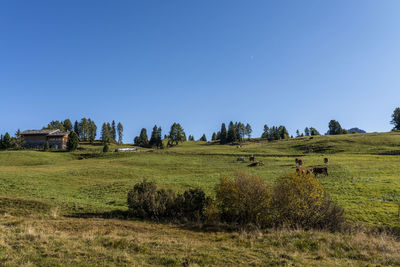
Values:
[(54, 132)]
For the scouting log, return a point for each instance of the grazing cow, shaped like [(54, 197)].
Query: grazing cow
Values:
[(239, 147), (301, 170), (326, 160), (320, 170), (299, 161), (252, 158), (240, 159)]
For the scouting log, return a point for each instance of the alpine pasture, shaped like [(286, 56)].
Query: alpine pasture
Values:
[(64, 208)]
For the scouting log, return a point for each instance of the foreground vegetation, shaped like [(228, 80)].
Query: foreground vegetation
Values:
[(54, 204)]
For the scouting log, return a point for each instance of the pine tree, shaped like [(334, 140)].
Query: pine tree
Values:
[(307, 131), (159, 142), (297, 133), (73, 141), (84, 129), (334, 128), (67, 125), (76, 128), (19, 140), (6, 141), (265, 133), (154, 136), (105, 133), (223, 135), (396, 119), (109, 132), (113, 131), (214, 137), (283, 133), (176, 134), (92, 130), (248, 130), (203, 138), (120, 129), (314, 131), (231, 135), (144, 141)]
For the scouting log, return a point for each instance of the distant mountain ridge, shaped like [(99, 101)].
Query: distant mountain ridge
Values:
[(355, 129)]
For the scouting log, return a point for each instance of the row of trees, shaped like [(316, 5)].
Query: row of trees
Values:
[(86, 129), (236, 133), (155, 138), (109, 132)]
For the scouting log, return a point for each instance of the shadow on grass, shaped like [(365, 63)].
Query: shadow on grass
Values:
[(188, 225)]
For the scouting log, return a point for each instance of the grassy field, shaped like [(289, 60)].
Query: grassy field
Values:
[(51, 204)]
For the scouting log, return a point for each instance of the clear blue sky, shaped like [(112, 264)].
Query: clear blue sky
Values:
[(200, 63)]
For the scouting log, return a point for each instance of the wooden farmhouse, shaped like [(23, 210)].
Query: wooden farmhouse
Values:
[(38, 138)]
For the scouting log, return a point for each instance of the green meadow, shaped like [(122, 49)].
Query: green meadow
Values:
[(46, 199)]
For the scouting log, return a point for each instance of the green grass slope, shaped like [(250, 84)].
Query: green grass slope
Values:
[(364, 177)]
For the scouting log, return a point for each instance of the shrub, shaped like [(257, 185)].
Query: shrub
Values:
[(105, 148), (73, 141), (300, 200), (244, 200), (146, 202), (46, 146), (191, 204)]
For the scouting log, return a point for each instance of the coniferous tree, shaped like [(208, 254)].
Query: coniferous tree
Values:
[(154, 136), (105, 133), (265, 133), (396, 119), (120, 130), (76, 128), (218, 135), (307, 131), (248, 130), (223, 134), (313, 131), (53, 125), (6, 142), (159, 138), (176, 134), (92, 130), (283, 133), (297, 133), (231, 135), (113, 131), (109, 132), (214, 137), (335, 128), (73, 141), (84, 129), (67, 125), (19, 140), (191, 138), (143, 141), (203, 138)]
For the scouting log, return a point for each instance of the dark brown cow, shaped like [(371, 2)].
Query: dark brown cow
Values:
[(299, 161), (252, 158), (320, 170), (326, 160)]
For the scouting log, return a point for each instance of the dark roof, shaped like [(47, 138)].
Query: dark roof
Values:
[(39, 132), (54, 132), (59, 133)]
